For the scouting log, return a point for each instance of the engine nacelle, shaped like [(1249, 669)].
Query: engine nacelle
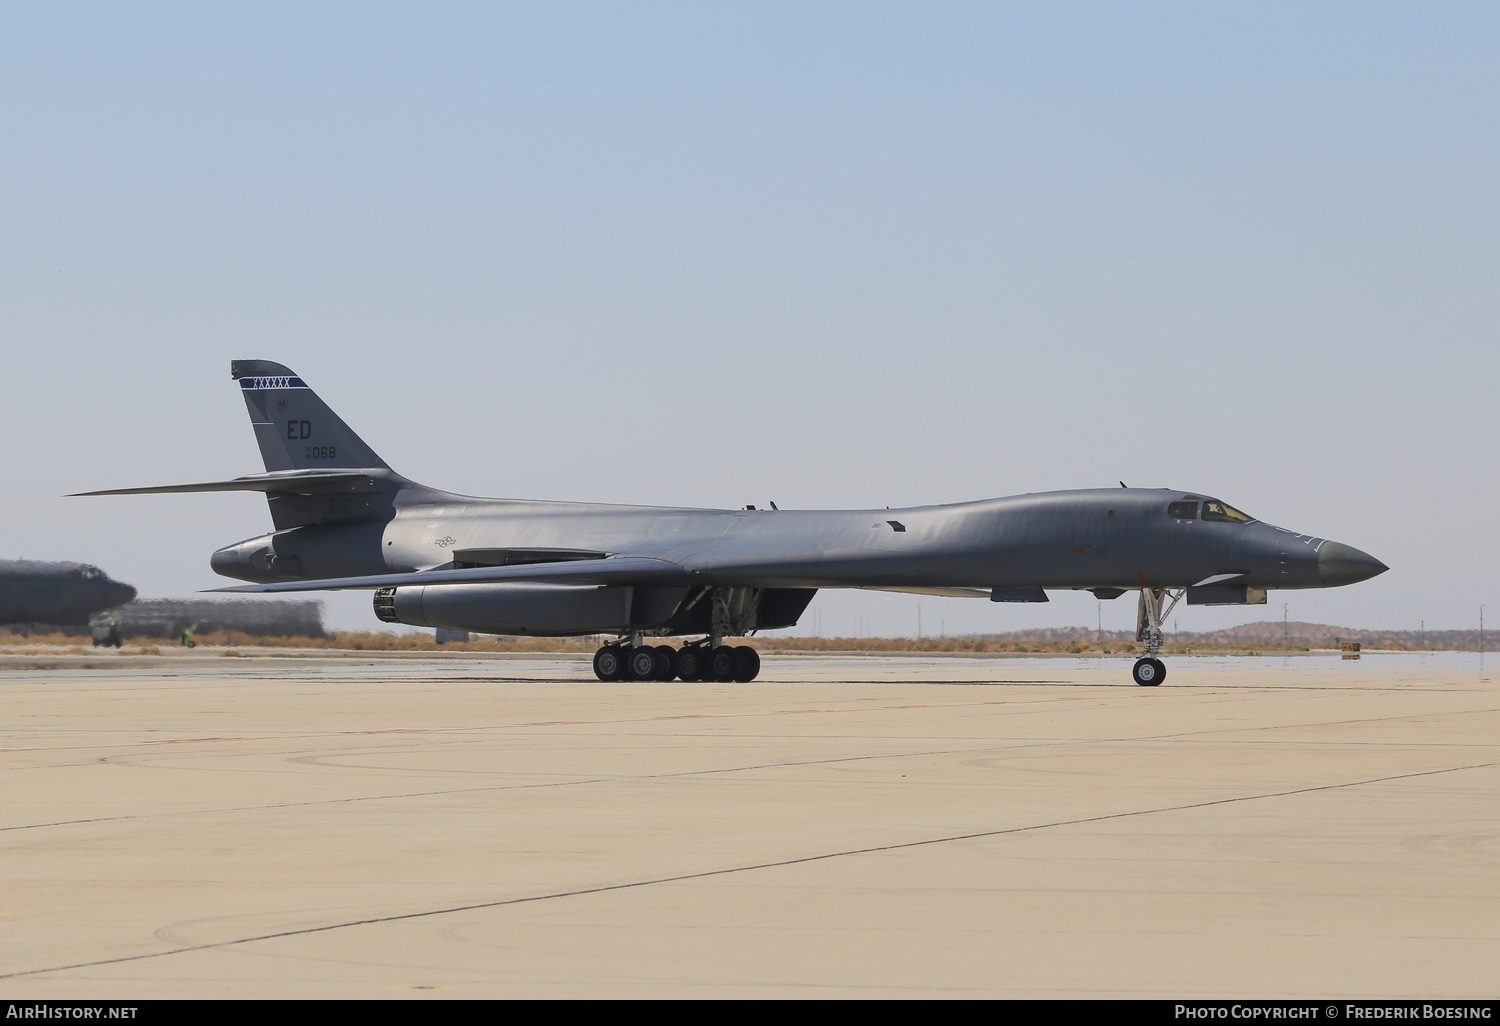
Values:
[(554, 610), (330, 550)]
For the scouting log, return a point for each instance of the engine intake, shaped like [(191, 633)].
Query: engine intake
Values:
[(385, 605)]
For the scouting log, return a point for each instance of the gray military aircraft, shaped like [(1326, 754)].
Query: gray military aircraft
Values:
[(61, 594), (344, 519)]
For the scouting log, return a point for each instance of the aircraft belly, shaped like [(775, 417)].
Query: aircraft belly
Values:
[(50, 610)]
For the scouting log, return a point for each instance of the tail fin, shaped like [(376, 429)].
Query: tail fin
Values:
[(296, 430)]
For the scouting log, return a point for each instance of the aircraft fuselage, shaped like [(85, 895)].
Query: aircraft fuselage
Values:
[(1108, 538)]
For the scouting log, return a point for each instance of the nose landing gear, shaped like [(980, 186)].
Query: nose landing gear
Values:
[(1153, 611)]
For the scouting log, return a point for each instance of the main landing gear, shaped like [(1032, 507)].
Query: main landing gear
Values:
[(1154, 609), (733, 614), (698, 660)]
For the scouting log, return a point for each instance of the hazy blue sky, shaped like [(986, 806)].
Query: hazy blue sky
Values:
[(832, 255)]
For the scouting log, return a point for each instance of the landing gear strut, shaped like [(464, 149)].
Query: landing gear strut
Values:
[(1150, 671)]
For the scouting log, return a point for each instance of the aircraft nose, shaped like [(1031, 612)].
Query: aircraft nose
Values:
[(123, 593), (1344, 564)]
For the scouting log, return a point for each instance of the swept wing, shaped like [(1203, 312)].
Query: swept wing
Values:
[(611, 570)]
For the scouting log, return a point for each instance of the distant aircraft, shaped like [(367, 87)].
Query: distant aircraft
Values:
[(63, 594), (344, 519)]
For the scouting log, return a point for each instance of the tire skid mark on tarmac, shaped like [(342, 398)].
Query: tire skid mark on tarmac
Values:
[(708, 874), (491, 728), (1015, 746), (576, 782), (488, 727)]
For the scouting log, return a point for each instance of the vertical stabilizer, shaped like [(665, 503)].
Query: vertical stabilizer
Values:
[(295, 429)]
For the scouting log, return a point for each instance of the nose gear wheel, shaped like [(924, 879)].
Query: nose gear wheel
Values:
[(1149, 673)]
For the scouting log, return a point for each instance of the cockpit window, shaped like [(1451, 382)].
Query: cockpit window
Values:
[(91, 572), (1224, 513), (1183, 510)]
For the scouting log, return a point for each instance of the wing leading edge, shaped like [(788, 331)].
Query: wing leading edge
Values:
[(611, 570)]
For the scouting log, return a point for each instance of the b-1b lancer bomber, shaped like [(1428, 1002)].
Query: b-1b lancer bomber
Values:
[(343, 519)]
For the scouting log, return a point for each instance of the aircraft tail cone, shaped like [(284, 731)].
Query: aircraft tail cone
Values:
[(1344, 564)]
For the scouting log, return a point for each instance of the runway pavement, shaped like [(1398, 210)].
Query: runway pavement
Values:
[(486, 827)]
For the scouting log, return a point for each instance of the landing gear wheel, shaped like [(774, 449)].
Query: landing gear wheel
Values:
[(640, 663), (666, 662), (1148, 672), (746, 664), (609, 663), (691, 663), (721, 664)]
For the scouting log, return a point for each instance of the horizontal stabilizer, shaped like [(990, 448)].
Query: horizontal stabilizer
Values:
[(295, 482), (614, 570)]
